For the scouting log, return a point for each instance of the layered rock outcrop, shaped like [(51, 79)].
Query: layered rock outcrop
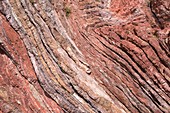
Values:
[(84, 56)]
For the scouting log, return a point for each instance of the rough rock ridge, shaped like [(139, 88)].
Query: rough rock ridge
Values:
[(85, 56)]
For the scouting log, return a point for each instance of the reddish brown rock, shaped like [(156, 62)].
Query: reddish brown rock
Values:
[(20, 91), (97, 56), (161, 12)]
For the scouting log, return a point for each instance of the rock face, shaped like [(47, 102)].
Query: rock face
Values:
[(85, 56)]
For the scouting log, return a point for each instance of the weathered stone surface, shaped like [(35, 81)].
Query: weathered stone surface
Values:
[(87, 56), (20, 91)]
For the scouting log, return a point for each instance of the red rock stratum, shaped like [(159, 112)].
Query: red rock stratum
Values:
[(84, 56)]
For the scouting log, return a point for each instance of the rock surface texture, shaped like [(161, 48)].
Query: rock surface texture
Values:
[(84, 56)]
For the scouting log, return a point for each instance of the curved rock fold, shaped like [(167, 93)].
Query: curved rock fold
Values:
[(81, 56)]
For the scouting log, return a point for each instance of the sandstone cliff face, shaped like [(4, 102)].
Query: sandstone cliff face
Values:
[(85, 56)]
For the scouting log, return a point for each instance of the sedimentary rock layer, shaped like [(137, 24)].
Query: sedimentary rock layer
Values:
[(85, 56)]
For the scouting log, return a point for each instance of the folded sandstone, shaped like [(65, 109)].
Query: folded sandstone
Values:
[(84, 56)]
